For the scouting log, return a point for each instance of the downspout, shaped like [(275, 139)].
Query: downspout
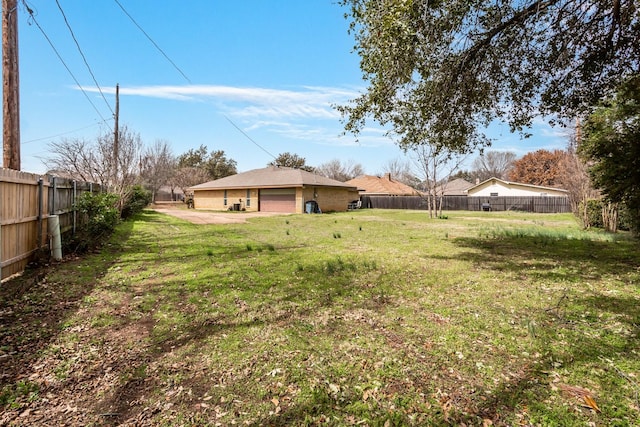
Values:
[(53, 223)]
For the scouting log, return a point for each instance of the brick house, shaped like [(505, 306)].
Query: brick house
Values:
[(273, 189)]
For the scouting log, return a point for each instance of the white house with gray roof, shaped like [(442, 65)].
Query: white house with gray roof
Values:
[(495, 187)]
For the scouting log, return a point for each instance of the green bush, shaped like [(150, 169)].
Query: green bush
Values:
[(594, 213), (138, 199), (625, 219), (594, 216), (101, 213)]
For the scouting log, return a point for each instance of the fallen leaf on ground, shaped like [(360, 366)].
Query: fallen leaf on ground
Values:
[(591, 403)]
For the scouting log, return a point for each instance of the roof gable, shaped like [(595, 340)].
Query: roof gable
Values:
[(512, 185), (456, 187)]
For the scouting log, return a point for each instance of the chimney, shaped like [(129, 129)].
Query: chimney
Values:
[(388, 176)]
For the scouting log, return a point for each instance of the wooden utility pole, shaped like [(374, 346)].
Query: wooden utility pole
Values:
[(116, 136), (10, 86)]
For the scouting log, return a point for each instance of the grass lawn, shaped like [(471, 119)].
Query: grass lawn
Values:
[(373, 317)]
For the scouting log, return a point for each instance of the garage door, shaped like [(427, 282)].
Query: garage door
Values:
[(278, 200)]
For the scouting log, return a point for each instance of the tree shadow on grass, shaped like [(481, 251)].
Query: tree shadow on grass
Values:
[(577, 332), (527, 388), (552, 258), (199, 329)]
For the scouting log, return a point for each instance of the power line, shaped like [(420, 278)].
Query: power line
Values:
[(249, 138), (60, 134), (33, 18), (151, 40), (73, 36)]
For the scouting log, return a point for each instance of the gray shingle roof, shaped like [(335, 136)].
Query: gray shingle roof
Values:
[(457, 187), (271, 177)]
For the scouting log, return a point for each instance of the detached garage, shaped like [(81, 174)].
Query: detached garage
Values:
[(273, 189)]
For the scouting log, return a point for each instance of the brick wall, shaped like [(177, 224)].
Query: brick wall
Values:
[(329, 199), (214, 199)]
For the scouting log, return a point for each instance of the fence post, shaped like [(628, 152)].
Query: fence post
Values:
[(52, 198), (75, 201), (1, 198), (40, 202)]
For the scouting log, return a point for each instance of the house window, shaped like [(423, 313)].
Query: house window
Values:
[(225, 198), (248, 197), (494, 194)]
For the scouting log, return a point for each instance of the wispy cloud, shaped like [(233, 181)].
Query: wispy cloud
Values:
[(300, 113), (252, 102)]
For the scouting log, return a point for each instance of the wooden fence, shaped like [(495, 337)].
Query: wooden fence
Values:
[(26, 202), (456, 203)]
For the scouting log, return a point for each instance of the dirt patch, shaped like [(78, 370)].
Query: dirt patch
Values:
[(210, 217)]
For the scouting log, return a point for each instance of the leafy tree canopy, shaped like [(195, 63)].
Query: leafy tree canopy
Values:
[(218, 166), (611, 145), (215, 163), (541, 167), (193, 158), (439, 72), (291, 160)]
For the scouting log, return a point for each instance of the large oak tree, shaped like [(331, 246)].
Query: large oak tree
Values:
[(438, 72)]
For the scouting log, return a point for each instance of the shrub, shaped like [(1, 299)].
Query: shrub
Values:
[(629, 219), (101, 214), (138, 199), (594, 214)]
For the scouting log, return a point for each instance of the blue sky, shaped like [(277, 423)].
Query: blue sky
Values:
[(272, 67)]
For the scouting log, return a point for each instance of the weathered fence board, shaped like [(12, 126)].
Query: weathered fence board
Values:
[(455, 203), (394, 202), (26, 201), (539, 204), (19, 211)]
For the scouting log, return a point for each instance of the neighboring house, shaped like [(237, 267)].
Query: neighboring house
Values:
[(457, 187), (273, 189), (381, 186), (495, 187)]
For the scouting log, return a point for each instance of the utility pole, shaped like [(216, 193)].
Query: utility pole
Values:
[(10, 86), (116, 135)]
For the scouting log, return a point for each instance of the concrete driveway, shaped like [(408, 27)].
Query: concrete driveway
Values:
[(209, 217)]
